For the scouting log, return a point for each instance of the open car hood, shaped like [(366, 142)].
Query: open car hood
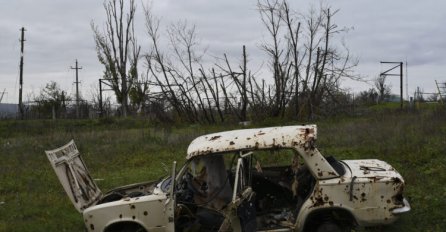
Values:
[(73, 175)]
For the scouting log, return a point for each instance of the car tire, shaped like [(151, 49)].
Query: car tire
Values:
[(136, 228), (329, 226), (126, 227)]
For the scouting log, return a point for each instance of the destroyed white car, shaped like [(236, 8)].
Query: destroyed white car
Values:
[(268, 179)]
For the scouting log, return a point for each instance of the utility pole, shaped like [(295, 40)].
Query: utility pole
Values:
[(77, 89), (385, 73), (22, 40), (100, 99), (407, 83), (101, 89), (441, 87), (2, 94)]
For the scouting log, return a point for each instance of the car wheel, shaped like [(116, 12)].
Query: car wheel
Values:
[(126, 227), (136, 228), (329, 226)]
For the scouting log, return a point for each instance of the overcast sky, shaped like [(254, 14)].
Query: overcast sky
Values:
[(58, 32)]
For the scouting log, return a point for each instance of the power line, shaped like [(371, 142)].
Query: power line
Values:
[(22, 40), (77, 88), (385, 73)]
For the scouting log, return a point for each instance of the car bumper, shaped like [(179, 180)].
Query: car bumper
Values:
[(404, 209)]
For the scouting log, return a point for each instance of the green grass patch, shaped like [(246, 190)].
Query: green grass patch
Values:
[(124, 151)]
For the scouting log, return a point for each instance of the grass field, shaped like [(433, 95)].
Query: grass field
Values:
[(120, 152)]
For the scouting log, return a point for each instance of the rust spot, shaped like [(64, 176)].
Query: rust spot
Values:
[(214, 137), (319, 173), (388, 201), (133, 217), (318, 202), (396, 180), (231, 143), (261, 133), (120, 215), (145, 213), (332, 173), (132, 206), (363, 197), (331, 203), (91, 227), (248, 138)]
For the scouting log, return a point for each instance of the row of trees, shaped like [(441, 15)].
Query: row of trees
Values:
[(306, 62), (305, 58)]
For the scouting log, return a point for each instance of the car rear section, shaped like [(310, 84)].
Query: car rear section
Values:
[(370, 193), (377, 190)]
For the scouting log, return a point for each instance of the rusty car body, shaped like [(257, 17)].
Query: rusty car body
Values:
[(228, 183)]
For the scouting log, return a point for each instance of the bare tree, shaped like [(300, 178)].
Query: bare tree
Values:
[(307, 66), (192, 92), (243, 85), (382, 88), (271, 15), (173, 84), (293, 40), (184, 42), (117, 48)]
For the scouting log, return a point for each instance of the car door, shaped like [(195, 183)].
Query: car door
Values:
[(240, 215)]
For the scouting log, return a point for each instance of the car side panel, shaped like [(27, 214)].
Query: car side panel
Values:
[(148, 211)]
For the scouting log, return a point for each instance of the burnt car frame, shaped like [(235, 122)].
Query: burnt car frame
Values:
[(229, 184)]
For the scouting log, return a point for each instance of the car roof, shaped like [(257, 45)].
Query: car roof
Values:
[(250, 139)]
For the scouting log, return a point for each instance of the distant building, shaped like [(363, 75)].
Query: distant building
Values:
[(393, 98), (8, 110)]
